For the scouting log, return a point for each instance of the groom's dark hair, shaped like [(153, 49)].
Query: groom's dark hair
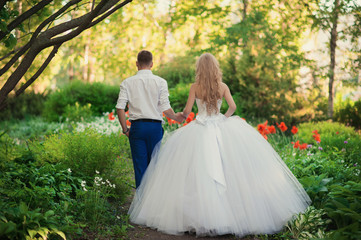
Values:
[(145, 58)]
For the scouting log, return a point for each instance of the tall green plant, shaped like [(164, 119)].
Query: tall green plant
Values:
[(102, 98)]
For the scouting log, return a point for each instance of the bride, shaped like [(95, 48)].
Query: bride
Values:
[(217, 175)]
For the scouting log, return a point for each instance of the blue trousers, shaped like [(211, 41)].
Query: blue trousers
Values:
[(143, 137)]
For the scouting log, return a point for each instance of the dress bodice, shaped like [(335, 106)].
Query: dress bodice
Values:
[(203, 116)]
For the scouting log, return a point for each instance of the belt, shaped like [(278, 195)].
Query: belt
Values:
[(146, 120)]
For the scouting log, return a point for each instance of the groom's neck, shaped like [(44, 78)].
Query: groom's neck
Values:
[(144, 68)]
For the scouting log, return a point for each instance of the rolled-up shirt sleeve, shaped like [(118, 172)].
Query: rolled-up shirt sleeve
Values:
[(164, 97), (123, 97)]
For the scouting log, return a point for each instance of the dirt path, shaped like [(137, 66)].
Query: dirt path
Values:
[(145, 233)]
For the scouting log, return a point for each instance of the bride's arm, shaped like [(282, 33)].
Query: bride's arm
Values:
[(231, 104), (192, 96)]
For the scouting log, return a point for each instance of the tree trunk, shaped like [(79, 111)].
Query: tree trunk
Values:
[(333, 45), (244, 12)]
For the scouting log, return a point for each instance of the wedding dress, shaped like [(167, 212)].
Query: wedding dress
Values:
[(217, 176)]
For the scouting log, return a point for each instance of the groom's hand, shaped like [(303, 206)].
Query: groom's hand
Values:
[(179, 117)]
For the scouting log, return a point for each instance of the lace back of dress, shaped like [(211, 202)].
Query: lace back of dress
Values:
[(202, 107)]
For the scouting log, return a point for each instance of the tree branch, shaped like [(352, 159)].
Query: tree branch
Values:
[(66, 26), (40, 41), (40, 70), (17, 21), (110, 12), (89, 17), (35, 35)]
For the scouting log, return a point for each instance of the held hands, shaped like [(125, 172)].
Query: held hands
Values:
[(179, 117)]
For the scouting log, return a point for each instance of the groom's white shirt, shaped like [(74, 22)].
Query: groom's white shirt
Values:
[(147, 95)]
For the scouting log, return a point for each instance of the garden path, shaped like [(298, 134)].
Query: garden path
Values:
[(145, 233)]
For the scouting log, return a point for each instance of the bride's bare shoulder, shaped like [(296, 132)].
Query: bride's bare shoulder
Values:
[(223, 88)]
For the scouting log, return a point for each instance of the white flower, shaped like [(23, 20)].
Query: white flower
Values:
[(103, 183), (69, 170), (83, 183), (118, 217), (85, 189), (96, 172), (113, 185)]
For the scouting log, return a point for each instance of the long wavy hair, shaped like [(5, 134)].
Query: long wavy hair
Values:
[(208, 78)]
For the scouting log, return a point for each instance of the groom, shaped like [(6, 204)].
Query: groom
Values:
[(147, 98)]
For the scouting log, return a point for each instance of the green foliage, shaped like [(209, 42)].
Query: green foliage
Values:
[(6, 15), (83, 152), (180, 70), (77, 113), (348, 112), (178, 97), (102, 97), (316, 188), (309, 225), (93, 203), (23, 106), (30, 128), (22, 223), (41, 188), (87, 152), (335, 137), (8, 149), (344, 208)]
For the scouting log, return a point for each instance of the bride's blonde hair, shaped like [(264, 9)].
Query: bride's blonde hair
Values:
[(208, 78)]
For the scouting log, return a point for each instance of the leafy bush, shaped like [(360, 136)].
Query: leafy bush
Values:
[(26, 104), (309, 225), (348, 112), (316, 188), (22, 223), (50, 186), (334, 137), (8, 148), (87, 152), (102, 97), (77, 113), (180, 70), (344, 208), (84, 152), (178, 97), (41, 188)]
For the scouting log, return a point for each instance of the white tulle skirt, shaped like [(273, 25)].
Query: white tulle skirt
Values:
[(217, 177)]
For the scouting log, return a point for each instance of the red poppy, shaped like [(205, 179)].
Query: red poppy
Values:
[(303, 146), (337, 132), (190, 117), (296, 144), (128, 123), (184, 124), (315, 132), (317, 137), (265, 136), (263, 128), (170, 121), (294, 130), (111, 116), (260, 128), (244, 119), (271, 129), (282, 126)]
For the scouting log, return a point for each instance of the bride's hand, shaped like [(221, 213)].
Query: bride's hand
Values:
[(179, 117)]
